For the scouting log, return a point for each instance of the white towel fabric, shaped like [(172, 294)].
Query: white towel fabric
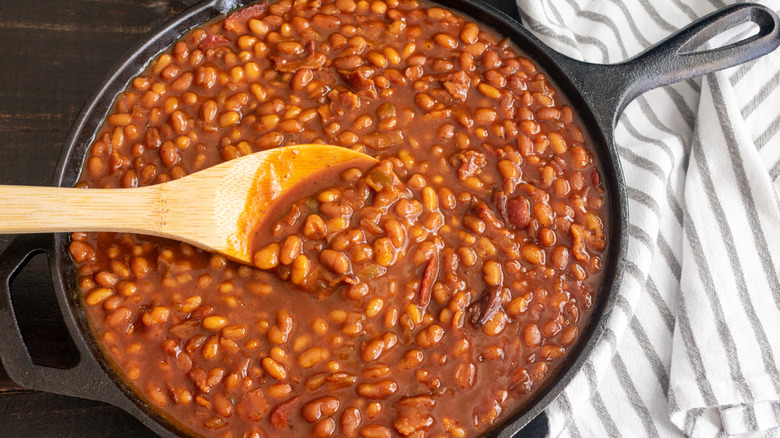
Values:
[(694, 345)]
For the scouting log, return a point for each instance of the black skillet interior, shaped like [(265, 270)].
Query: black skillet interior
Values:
[(597, 92), (505, 26)]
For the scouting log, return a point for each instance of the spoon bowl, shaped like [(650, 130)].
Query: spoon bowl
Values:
[(213, 209)]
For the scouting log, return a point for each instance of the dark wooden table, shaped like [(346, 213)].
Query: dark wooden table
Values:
[(53, 55)]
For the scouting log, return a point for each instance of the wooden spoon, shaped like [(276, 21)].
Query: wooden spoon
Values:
[(213, 209)]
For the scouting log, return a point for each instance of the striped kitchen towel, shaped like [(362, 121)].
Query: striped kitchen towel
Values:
[(693, 347)]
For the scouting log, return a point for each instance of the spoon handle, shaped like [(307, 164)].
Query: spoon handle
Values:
[(28, 209)]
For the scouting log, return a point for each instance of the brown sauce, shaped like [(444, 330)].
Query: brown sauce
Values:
[(431, 295)]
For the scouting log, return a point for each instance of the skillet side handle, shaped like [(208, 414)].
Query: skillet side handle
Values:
[(85, 380), (679, 57)]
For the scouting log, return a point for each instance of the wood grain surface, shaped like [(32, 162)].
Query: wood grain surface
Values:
[(53, 55)]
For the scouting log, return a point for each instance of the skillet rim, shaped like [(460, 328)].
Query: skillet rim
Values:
[(93, 114)]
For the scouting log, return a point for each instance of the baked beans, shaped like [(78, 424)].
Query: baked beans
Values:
[(430, 295)]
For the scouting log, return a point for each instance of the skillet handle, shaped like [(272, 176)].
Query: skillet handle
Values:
[(610, 88), (86, 379), (681, 55)]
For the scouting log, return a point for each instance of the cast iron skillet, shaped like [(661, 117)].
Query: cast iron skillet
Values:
[(598, 93)]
